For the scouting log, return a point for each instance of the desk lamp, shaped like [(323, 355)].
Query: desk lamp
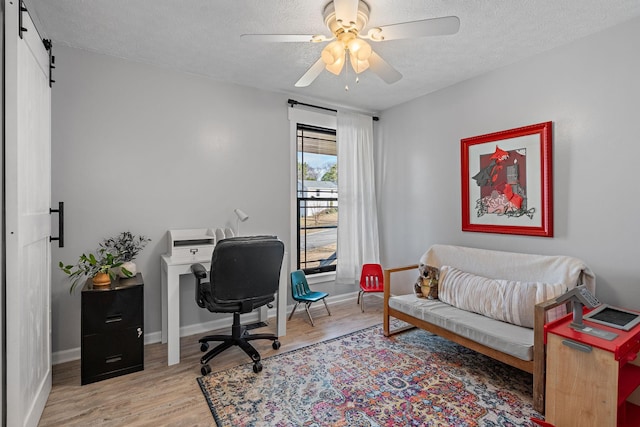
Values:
[(242, 217)]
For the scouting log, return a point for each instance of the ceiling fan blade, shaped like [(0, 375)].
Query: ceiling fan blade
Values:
[(311, 74), (346, 11), (446, 25), (382, 68), (284, 38)]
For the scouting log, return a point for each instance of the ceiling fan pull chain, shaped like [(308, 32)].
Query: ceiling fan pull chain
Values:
[(346, 71)]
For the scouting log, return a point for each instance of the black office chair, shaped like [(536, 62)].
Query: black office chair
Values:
[(245, 274)]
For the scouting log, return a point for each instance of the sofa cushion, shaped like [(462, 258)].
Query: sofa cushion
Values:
[(506, 300), (504, 337)]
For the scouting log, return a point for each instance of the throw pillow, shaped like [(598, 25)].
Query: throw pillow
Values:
[(506, 300)]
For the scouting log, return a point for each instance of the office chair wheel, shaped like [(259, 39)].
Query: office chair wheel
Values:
[(276, 345), (204, 347), (257, 367), (206, 369)]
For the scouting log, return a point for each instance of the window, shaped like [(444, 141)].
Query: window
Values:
[(317, 199)]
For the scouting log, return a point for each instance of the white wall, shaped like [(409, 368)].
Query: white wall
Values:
[(145, 149), (590, 90)]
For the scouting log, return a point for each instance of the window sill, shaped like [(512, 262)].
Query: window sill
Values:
[(329, 276)]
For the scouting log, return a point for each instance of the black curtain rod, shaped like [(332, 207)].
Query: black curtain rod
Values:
[(293, 102)]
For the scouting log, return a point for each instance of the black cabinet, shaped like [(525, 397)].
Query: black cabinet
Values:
[(112, 329)]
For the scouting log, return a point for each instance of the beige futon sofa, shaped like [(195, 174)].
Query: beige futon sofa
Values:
[(493, 302)]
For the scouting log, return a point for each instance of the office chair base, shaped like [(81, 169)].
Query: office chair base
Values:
[(240, 337)]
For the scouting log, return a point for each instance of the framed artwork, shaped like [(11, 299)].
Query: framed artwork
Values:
[(507, 182)]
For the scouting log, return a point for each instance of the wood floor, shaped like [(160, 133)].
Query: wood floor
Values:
[(164, 395)]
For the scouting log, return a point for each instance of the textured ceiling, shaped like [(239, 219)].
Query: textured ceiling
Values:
[(203, 37)]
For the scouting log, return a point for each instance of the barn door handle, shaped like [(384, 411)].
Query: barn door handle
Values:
[(60, 212)]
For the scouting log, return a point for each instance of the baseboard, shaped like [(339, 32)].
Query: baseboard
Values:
[(200, 328), (65, 355)]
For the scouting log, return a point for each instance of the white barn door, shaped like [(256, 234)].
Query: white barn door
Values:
[(28, 224)]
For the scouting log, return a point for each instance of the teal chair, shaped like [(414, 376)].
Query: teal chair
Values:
[(301, 293)]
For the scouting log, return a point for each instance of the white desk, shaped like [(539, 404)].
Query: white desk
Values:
[(172, 269)]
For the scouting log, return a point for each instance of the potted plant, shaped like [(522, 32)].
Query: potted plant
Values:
[(98, 266), (125, 248)]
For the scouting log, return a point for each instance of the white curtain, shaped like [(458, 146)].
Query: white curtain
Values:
[(357, 218)]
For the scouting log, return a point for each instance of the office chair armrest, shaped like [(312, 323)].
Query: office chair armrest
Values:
[(199, 271)]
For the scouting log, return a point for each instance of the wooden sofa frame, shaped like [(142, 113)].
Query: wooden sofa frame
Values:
[(537, 366)]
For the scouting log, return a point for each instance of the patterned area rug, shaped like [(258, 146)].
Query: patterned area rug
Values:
[(365, 379)]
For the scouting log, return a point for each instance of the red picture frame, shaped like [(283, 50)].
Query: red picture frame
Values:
[(507, 181)]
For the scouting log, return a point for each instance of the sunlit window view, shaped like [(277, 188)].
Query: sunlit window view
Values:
[(317, 196)]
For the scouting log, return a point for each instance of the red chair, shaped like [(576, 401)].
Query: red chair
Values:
[(371, 280)]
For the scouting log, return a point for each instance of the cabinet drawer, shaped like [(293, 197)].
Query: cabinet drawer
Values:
[(193, 253), (103, 312), (111, 354)]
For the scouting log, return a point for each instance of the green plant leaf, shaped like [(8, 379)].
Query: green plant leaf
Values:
[(111, 254)]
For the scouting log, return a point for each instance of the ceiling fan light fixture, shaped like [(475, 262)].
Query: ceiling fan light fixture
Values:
[(359, 49), (358, 65), (347, 21), (336, 67), (333, 52)]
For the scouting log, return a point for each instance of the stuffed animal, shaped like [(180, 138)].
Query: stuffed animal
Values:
[(417, 287), (430, 278), (427, 284)]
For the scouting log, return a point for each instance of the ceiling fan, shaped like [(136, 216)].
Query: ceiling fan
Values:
[(346, 20)]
